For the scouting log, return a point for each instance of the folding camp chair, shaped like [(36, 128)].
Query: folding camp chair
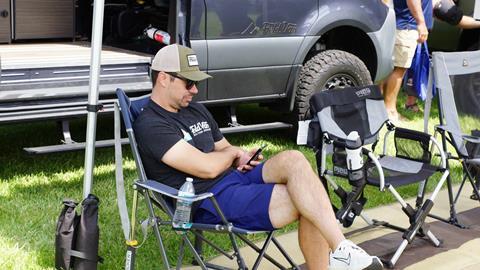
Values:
[(457, 68), (337, 113), (159, 196)]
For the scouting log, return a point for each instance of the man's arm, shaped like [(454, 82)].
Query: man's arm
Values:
[(222, 144), (186, 158), (241, 161), (415, 7)]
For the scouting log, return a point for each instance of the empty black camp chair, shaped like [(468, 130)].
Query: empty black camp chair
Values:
[(337, 113), (465, 66), (159, 196)]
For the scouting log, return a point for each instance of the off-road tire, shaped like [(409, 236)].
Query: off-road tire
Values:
[(326, 70)]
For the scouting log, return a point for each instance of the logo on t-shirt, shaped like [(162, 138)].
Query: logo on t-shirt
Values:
[(199, 128), (186, 136)]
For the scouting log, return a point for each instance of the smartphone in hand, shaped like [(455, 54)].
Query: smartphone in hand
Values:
[(257, 153)]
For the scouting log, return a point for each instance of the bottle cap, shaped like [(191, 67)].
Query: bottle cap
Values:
[(189, 179), (353, 140)]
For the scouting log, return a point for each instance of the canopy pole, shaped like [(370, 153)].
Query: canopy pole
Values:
[(96, 49)]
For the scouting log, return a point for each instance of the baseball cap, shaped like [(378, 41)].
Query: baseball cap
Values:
[(181, 60)]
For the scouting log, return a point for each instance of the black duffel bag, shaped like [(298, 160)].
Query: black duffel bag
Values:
[(77, 236), (65, 235)]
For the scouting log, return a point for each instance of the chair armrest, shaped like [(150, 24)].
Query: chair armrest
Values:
[(405, 133), (468, 138), (471, 138), (440, 151), (412, 134), (385, 140), (421, 151), (169, 191), (448, 129), (374, 158)]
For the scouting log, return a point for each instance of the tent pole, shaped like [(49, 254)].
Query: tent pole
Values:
[(96, 49)]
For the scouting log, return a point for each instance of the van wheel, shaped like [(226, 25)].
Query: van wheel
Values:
[(328, 70)]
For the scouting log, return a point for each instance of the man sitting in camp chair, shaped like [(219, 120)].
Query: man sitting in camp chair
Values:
[(179, 138)]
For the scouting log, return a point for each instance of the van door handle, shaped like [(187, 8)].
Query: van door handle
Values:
[(4, 13)]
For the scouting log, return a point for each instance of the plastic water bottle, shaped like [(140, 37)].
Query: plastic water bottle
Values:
[(181, 218), (354, 158)]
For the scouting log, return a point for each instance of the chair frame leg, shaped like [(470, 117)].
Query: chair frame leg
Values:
[(393, 260), (156, 231), (262, 254), (436, 242), (131, 245), (258, 250), (231, 235), (181, 254), (417, 218), (452, 219), (198, 242), (197, 256), (213, 245), (262, 251), (285, 254), (460, 188), (471, 179)]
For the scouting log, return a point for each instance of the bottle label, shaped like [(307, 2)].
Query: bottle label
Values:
[(185, 194)]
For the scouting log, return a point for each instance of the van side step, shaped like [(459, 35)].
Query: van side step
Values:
[(68, 147), (255, 127), (75, 146)]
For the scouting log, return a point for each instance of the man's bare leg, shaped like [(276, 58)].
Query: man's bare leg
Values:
[(299, 194), (311, 242), (307, 194), (282, 212), (381, 86), (392, 87), (411, 100)]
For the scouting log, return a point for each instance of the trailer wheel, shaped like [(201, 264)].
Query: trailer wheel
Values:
[(328, 70)]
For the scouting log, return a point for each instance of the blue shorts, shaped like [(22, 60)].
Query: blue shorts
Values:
[(244, 199)]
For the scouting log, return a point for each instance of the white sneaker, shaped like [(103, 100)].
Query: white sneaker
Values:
[(349, 256)]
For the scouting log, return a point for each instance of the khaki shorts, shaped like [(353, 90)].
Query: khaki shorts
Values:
[(405, 45)]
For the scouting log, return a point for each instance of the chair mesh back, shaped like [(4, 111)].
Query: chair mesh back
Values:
[(446, 65), (131, 109), (134, 106), (341, 111), (345, 115)]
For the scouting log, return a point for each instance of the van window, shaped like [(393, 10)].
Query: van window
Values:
[(197, 20)]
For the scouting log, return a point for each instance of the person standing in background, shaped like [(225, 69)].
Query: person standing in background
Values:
[(449, 12), (446, 11), (414, 18)]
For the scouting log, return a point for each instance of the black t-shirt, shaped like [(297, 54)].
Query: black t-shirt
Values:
[(157, 130)]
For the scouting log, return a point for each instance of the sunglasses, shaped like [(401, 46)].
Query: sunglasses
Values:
[(189, 83)]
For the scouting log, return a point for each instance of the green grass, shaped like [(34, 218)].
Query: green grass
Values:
[(33, 187)]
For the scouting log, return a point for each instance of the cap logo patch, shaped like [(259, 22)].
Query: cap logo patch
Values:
[(192, 60)]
